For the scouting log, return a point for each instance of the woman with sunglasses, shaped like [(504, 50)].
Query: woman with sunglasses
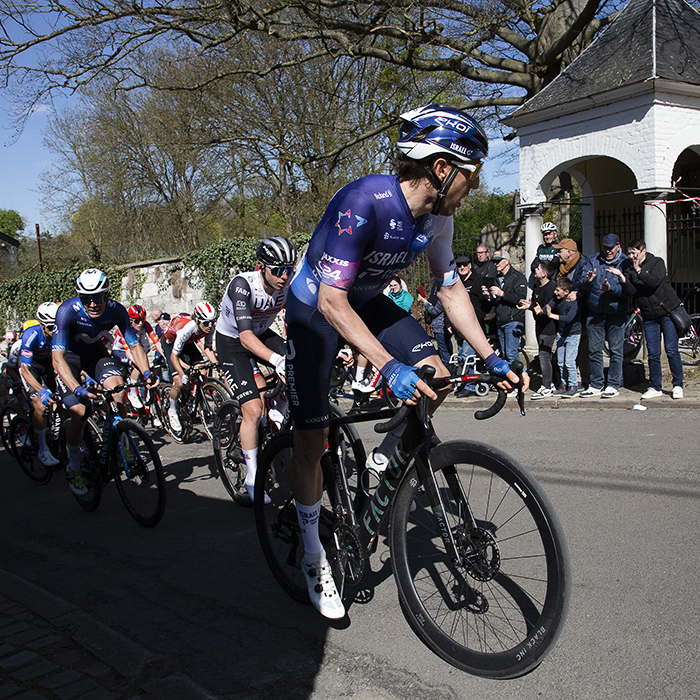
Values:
[(243, 335), (179, 344)]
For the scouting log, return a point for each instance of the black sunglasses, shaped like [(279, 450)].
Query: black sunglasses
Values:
[(279, 271), (207, 323), (88, 299)]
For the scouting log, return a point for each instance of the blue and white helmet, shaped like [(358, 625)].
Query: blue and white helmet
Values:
[(435, 129), (92, 282)]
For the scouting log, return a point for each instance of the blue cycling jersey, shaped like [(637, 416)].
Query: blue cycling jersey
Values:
[(77, 333), (366, 236), (35, 346)]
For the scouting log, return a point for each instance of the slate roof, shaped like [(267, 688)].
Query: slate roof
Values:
[(648, 39)]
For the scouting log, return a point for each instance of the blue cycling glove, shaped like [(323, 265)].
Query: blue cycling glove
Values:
[(45, 395), (82, 393), (496, 364), (401, 378)]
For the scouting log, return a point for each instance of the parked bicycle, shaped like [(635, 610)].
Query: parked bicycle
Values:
[(479, 556), (689, 344), (200, 398), (122, 451), (633, 335)]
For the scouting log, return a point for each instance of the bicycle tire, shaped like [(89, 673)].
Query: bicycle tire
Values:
[(182, 435), (25, 449), (214, 394), (632, 340), (523, 357), (498, 614), (7, 413), (228, 454), (140, 479), (90, 449), (689, 344), (276, 523)]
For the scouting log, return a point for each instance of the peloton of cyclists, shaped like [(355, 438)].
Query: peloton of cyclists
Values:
[(243, 334), (37, 374), (181, 352), (82, 324), (373, 228)]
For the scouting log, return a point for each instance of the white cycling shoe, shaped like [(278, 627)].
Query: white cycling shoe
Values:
[(174, 420), (47, 459), (322, 591), (250, 488)]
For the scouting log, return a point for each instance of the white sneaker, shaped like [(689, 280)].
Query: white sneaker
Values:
[(591, 391), (47, 459), (376, 463), (362, 386), (76, 481), (609, 392), (174, 420), (541, 393), (322, 591), (156, 422), (513, 393), (677, 392), (652, 393), (135, 400)]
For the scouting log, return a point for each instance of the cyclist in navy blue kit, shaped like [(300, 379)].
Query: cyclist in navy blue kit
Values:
[(372, 229), (81, 341)]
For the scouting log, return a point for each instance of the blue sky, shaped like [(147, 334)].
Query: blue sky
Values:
[(25, 158)]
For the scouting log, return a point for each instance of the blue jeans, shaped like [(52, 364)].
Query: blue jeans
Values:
[(602, 327), (652, 331), (567, 350), (464, 350), (509, 335), (443, 338)]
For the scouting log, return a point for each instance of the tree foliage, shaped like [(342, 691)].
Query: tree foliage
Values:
[(11, 223)]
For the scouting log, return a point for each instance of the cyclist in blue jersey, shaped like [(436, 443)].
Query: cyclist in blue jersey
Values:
[(37, 375), (81, 342), (372, 229)]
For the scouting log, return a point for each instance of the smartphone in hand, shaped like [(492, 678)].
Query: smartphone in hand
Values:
[(421, 290)]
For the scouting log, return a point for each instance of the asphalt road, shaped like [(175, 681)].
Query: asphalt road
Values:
[(195, 590)]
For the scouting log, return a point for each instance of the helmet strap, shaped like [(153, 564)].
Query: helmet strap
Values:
[(442, 189)]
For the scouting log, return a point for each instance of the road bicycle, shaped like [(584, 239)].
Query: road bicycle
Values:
[(633, 337), (689, 344), (200, 398), (24, 445), (123, 451), (479, 556), (342, 374), (16, 404), (228, 453)]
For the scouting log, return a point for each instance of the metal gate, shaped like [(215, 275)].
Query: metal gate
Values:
[(683, 227)]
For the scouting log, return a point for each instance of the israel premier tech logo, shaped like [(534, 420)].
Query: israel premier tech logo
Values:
[(348, 228)]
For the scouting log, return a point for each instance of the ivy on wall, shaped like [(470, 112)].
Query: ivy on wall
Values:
[(213, 267)]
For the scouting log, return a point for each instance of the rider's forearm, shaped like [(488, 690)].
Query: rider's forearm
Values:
[(28, 377), (63, 370), (459, 310), (333, 304), (252, 344)]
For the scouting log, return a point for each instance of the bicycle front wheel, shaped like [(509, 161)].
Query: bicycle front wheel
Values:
[(214, 394), (498, 610), (228, 454), (25, 449), (138, 473), (689, 344), (8, 412)]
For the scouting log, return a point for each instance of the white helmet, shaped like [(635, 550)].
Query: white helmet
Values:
[(46, 313), (92, 282), (204, 312), (548, 227)]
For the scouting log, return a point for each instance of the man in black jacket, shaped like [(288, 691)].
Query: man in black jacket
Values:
[(509, 288), (656, 298)]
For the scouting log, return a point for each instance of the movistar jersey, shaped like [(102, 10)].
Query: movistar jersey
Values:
[(76, 332), (366, 236), (246, 306), (35, 345)]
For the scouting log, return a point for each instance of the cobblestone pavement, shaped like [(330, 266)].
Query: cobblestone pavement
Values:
[(49, 649)]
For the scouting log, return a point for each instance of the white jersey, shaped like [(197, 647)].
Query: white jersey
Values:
[(246, 306), (13, 354)]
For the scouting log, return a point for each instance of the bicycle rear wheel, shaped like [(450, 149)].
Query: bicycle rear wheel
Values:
[(25, 449), (499, 610), (228, 454), (214, 394), (277, 524), (689, 344), (138, 473)]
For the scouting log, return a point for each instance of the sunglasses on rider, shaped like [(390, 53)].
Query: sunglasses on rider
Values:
[(279, 271), (471, 170), (97, 299), (206, 323)]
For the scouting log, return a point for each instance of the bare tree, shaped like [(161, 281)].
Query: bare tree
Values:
[(512, 47)]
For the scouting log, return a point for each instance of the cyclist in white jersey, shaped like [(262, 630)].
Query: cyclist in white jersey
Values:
[(250, 305)]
